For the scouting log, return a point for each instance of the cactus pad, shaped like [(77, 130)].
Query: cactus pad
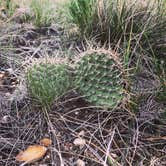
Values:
[(47, 82), (99, 78)]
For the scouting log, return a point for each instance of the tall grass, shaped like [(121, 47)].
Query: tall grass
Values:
[(137, 26), (82, 13), (43, 13)]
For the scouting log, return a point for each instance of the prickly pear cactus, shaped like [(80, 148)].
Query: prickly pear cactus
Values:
[(99, 78), (47, 82)]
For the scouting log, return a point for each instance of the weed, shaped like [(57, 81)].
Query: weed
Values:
[(82, 14), (136, 28), (43, 13)]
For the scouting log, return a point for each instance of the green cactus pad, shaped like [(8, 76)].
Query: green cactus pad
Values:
[(99, 78), (47, 82)]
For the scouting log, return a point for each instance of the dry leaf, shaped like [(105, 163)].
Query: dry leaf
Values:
[(32, 154), (45, 142), (79, 142)]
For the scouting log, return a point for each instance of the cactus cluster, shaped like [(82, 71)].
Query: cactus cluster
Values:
[(47, 81), (99, 78)]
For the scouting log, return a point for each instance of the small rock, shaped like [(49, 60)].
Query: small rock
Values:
[(79, 142), (10, 71), (5, 119), (80, 162)]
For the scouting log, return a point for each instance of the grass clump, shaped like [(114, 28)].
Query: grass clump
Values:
[(101, 18), (43, 13), (47, 82), (82, 14), (135, 23)]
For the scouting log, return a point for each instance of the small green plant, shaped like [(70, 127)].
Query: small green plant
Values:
[(47, 82), (43, 13), (81, 12), (100, 78)]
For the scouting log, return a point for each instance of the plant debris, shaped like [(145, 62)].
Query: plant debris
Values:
[(32, 154), (45, 142)]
